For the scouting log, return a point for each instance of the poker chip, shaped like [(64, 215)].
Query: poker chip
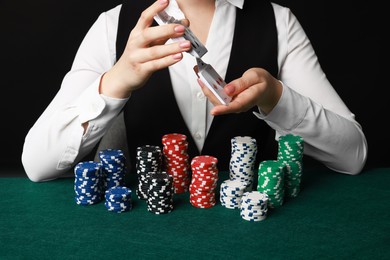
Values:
[(254, 206), (290, 153), (165, 171), (87, 182), (231, 191), (241, 171), (290, 148), (293, 177), (148, 160), (242, 160), (282, 177), (204, 181), (176, 160), (160, 192), (118, 199), (271, 181), (113, 167)]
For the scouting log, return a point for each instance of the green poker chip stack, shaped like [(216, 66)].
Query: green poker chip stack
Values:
[(290, 154), (271, 181)]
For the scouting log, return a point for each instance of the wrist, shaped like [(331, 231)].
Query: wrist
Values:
[(111, 86), (273, 98)]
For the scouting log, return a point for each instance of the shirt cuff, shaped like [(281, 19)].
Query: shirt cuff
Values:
[(290, 101), (92, 104)]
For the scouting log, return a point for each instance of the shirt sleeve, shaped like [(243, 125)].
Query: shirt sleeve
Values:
[(57, 139), (310, 107)]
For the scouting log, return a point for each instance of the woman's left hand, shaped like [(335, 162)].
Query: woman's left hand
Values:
[(256, 87)]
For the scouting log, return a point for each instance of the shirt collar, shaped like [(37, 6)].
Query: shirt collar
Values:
[(237, 3)]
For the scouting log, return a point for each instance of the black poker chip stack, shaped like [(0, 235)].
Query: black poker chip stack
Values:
[(160, 192), (148, 160)]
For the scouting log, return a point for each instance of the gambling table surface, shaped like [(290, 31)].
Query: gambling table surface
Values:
[(335, 216)]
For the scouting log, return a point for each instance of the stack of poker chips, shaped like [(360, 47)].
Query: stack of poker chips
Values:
[(254, 206), (149, 159), (176, 160), (87, 182), (271, 181), (242, 161), (290, 153), (118, 199), (160, 193), (231, 192), (204, 181), (114, 167)]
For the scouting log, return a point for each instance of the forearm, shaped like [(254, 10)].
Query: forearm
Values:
[(50, 147), (336, 141), (340, 143), (58, 139)]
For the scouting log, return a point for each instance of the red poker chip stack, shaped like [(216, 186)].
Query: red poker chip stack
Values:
[(204, 181), (176, 160)]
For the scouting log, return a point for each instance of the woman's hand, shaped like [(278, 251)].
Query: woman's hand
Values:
[(256, 87), (144, 54)]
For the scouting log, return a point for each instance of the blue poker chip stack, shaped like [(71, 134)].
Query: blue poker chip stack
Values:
[(114, 167), (118, 199), (87, 182)]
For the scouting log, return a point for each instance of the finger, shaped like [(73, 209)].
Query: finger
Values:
[(160, 51), (249, 78), (147, 16), (157, 34), (207, 92), (233, 107), (185, 22), (240, 103), (161, 63), (236, 106)]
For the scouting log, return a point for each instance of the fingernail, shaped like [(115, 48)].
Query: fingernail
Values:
[(179, 29), (185, 44), (177, 56), (162, 2), (229, 89), (200, 82)]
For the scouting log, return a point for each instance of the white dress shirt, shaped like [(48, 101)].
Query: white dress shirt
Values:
[(309, 105)]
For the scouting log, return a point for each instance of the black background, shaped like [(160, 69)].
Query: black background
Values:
[(39, 40)]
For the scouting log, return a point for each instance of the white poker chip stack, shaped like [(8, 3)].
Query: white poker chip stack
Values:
[(243, 158), (231, 192), (254, 206)]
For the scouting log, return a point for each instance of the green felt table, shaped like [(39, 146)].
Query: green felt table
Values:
[(335, 216)]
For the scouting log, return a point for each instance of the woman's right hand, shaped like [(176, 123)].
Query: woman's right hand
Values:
[(145, 53)]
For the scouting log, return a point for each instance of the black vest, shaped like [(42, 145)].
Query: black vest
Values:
[(152, 111)]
